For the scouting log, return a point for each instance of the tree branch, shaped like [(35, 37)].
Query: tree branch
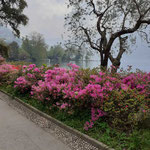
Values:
[(124, 20), (137, 6), (146, 36), (89, 39), (99, 20), (94, 8), (121, 49), (117, 61)]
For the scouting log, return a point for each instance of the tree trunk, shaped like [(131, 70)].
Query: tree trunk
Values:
[(104, 64), (105, 61), (116, 64)]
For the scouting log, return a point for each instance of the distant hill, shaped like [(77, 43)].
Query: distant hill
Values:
[(8, 36)]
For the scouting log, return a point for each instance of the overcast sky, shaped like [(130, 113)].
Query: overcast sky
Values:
[(47, 18)]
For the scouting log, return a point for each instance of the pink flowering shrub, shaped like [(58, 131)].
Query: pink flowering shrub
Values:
[(6, 73), (59, 84), (22, 84), (30, 75), (95, 115), (139, 81), (115, 97)]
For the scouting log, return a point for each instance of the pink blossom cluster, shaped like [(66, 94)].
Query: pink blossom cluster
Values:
[(68, 89), (58, 83), (22, 84), (95, 115), (30, 76), (5, 69), (139, 81)]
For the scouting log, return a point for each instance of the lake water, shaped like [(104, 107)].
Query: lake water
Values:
[(144, 66), (83, 64)]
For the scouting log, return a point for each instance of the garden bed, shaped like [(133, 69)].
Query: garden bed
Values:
[(75, 135), (109, 107)]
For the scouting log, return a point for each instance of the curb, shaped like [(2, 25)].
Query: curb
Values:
[(25, 109)]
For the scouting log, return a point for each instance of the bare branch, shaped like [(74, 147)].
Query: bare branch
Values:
[(124, 20), (76, 45), (146, 12), (130, 30), (89, 39), (137, 6), (99, 20), (146, 36), (94, 8)]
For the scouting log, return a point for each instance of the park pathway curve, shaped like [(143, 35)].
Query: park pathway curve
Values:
[(19, 133)]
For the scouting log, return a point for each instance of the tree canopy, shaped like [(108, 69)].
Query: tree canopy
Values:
[(107, 24), (59, 54), (35, 46), (11, 13), (13, 51), (4, 49)]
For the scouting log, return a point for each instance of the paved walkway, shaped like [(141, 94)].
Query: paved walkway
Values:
[(18, 133)]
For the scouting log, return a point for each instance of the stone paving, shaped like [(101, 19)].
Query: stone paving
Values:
[(19, 133)]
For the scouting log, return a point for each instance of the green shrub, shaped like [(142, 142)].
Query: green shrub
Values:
[(123, 108)]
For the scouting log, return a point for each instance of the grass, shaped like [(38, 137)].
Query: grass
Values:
[(139, 139)]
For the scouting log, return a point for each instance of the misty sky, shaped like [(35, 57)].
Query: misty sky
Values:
[(47, 18)]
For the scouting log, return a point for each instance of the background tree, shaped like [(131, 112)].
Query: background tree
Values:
[(87, 56), (3, 48), (35, 46), (59, 54), (56, 53), (76, 53), (13, 51), (11, 13), (108, 24), (23, 55)]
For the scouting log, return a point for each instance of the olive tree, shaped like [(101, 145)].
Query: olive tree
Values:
[(106, 25)]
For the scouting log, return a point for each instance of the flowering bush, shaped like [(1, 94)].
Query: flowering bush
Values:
[(122, 108), (59, 85), (112, 95), (6, 73), (16, 67), (29, 76), (115, 97)]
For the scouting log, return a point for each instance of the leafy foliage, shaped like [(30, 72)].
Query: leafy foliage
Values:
[(59, 54), (13, 51), (12, 14), (35, 46), (4, 49)]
